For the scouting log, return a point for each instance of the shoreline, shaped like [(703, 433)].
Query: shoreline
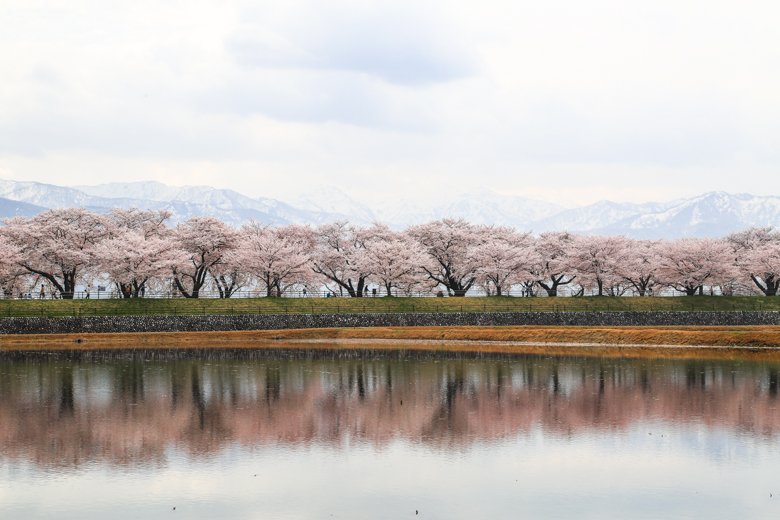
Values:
[(753, 342), (132, 324)]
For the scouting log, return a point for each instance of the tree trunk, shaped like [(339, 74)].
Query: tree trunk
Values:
[(69, 282), (124, 290), (225, 288), (197, 282), (351, 289), (458, 288), (65, 288), (138, 288), (600, 283), (771, 285), (552, 287)]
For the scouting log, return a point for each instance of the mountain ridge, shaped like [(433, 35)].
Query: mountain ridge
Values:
[(713, 213)]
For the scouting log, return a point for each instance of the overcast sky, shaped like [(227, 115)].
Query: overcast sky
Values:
[(579, 100)]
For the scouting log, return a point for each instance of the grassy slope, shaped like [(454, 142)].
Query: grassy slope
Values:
[(357, 305)]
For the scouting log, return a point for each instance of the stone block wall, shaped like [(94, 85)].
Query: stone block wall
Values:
[(130, 324)]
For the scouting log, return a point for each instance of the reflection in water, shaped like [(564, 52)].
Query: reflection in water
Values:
[(368, 434), (129, 410)]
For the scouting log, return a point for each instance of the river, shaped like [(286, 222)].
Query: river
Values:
[(292, 434)]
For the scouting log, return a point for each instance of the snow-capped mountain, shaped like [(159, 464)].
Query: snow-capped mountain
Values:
[(327, 203), (595, 216), (714, 213), (46, 195), (480, 206), (184, 202)]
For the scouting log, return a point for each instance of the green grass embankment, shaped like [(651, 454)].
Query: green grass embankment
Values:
[(141, 306)]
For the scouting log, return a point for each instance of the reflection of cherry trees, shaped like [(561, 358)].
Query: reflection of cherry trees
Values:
[(130, 412)]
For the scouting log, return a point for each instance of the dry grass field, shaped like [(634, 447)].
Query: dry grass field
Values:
[(729, 342)]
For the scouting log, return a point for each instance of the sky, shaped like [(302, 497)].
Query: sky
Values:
[(557, 100)]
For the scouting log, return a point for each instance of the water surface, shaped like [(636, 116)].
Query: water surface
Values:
[(313, 434)]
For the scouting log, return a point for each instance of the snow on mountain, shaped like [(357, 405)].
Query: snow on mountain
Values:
[(45, 195), (327, 203), (484, 206), (480, 206), (594, 216), (714, 213), (322, 204), (185, 201), (145, 190), (401, 213)]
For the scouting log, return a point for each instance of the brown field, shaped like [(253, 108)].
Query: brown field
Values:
[(745, 342)]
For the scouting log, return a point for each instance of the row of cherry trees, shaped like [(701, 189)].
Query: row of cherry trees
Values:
[(139, 251)]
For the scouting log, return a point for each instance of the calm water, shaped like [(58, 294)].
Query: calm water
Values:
[(313, 435)]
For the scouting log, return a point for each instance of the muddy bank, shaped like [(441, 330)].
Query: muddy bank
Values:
[(751, 342)]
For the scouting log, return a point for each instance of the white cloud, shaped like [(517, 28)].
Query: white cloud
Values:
[(401, 43), (561, 98)]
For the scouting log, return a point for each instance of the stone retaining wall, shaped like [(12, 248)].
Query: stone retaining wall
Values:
[(129, 324)]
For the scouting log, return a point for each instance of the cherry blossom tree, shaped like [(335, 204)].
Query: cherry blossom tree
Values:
[(763, 266), (756, 254), (278, 257), (552, 268), (392, 258), (229, 276), (338, 247), (596, 260), (502, 259), (688, 264), (57, 245), (12, 276), (147, 222), (640, 265), (135, 262), (206, 241), (448, 242), (136, 251)]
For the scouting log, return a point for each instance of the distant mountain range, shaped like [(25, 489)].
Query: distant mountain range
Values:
[(713, 213)]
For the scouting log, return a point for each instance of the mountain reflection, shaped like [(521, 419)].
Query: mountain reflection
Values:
[(129, 411)]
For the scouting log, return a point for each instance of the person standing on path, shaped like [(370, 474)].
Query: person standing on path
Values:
[(43, 293)]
